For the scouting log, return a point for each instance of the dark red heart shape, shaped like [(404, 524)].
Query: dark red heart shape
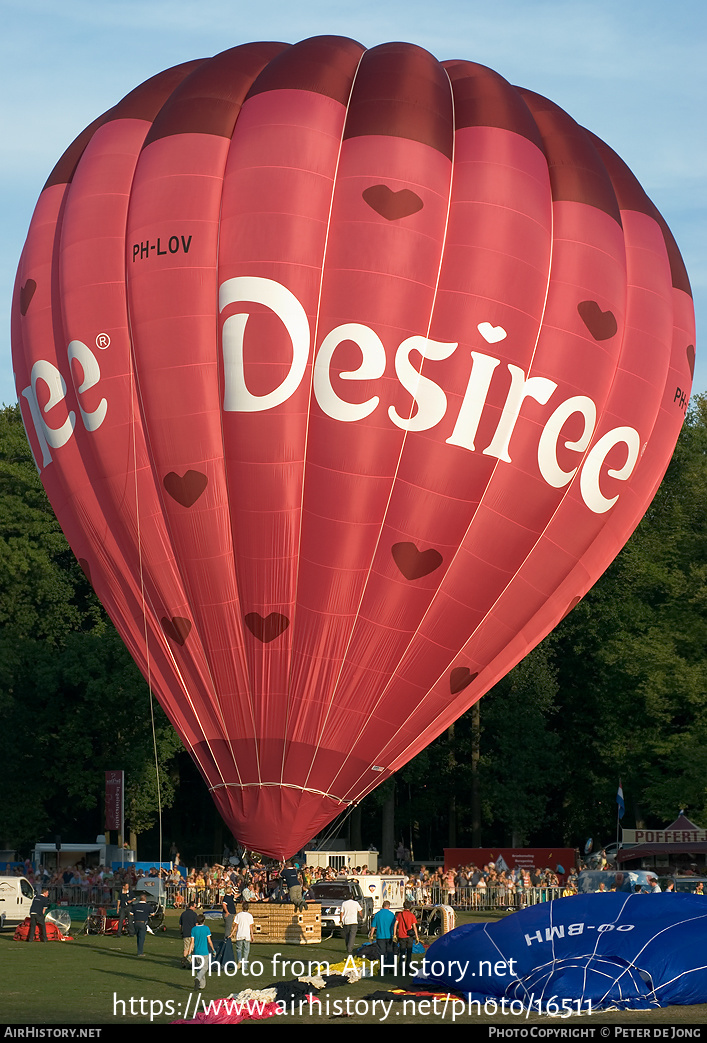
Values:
[(691, 358), (601, 324), (176, 629), (460, 678), (185, 490), (26, 295), (266, 628), (392, 205), (414, 563)]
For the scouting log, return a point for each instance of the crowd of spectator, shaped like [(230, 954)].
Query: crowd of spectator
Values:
[(254, 883), (466, 886), (83, 885), (471, 886)]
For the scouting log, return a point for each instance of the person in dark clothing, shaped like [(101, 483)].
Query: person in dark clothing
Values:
[(125, 901), (291, 878), (229, 912), (37, 912), (405, 933), (187, 921), (141, 915)]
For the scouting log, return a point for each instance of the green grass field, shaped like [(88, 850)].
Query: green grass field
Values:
[(98, 980)]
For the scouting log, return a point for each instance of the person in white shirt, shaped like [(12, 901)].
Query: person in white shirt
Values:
[(351, 913), (244, 936)]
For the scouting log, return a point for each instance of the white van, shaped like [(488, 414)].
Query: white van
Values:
[(16, 894), (383, 889)]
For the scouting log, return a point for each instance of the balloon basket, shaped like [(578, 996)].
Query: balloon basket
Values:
[(281, 923)]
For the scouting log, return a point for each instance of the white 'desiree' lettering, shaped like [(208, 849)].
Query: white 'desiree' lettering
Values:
[(429, 400), (522, 387), (48, 436), (80, 352), (372, 367), (547, 446), (47, 372), (285, 305), (591, 470), (474, 401)]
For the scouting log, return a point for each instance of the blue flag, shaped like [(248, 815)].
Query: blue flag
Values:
[(620, 801)]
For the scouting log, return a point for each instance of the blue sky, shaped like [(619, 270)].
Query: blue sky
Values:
[(632, 72)]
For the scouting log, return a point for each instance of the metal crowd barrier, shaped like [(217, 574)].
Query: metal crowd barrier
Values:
[(492, 898), (75, 894), (465, 898)]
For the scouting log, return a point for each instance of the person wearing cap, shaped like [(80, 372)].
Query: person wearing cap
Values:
[(37, 912), (291, 878)]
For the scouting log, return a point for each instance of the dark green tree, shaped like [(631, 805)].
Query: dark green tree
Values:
[(632, 660), (521, 764), (73, 703)]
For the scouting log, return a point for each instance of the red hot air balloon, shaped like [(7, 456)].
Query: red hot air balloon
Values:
[(347, 373)]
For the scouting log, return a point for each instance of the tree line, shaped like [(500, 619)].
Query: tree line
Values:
[(618, 690)]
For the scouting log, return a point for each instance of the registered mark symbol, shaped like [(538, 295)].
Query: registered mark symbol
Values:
[(102, 340)]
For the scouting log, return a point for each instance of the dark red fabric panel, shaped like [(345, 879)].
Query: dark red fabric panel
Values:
[(576, 170), (324, 65), (631, 196), (209, 100), (482, 98), (142, 103), (402, 92)]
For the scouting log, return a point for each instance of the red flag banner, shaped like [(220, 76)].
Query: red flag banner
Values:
[(114, 799)]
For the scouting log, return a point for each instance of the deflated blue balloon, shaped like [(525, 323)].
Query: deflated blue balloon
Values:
[(580, 954)]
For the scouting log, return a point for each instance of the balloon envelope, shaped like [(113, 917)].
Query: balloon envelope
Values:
[(578, 955), (347, 373)]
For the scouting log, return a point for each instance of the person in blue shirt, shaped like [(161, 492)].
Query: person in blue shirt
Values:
[(201, 946), (382, 928)]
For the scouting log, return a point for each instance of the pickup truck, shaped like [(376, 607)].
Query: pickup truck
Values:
[(332, 894)]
